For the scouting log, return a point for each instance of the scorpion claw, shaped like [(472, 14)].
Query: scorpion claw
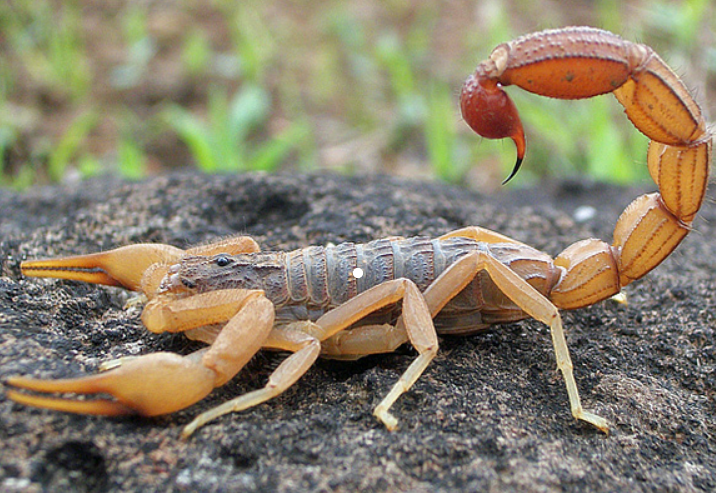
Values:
[(103, 407), (122, 266), (150, 385)]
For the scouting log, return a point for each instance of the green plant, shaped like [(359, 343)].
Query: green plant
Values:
[(448, 156), (196, 53), (253, 40), (425, 106), (68, 146), (131, 160), (388, 70), (225, 143), (678, 20), (50, 45), (25, 175), (141, 47)]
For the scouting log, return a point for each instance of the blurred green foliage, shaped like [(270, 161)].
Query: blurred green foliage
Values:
[(140, 87), (223, 144)]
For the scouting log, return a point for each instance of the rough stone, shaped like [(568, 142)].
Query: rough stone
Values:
[(490, 414)]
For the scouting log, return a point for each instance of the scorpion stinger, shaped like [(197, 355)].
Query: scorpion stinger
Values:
[(515, 169), (487, 108)]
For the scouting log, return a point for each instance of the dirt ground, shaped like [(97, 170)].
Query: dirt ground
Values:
[(490, 414)]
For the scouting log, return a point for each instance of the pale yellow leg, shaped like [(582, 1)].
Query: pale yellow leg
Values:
[(479, 234), (306, 349), (304, 338), (421, 332), (362, 341), (528, 299), (207, 335), (166, 314), (418, 326)]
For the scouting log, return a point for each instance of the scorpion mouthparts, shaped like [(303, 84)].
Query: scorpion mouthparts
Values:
[(170, 282), (183, 282)]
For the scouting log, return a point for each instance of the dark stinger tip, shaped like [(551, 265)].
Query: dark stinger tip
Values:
[(514, 170)]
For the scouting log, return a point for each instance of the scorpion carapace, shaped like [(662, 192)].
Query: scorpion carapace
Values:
[(351, 300)]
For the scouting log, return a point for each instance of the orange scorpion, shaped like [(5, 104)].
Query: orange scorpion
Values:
[(351, 300)]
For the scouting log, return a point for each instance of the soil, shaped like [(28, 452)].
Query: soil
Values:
[(490, 413)]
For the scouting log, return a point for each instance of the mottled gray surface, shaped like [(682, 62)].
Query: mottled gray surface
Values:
[(490, 414)]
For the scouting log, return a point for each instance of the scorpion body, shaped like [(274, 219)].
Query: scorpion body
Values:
[(351, 300), (306, 283)]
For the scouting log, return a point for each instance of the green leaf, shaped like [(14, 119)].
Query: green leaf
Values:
[(69, 144), (270, 155), (250, 108), (194, 134), (132, 161)]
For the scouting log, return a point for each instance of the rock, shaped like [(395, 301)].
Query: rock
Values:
[(490, 413)]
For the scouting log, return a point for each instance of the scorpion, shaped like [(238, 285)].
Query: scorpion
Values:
[(350, 300)]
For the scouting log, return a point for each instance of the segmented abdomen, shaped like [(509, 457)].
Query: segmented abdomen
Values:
[(329, 276), (319, 278)]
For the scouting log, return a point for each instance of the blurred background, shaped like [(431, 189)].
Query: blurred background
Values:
[(138, 88)]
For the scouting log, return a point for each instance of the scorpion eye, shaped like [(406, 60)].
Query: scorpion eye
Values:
[(222, 261)]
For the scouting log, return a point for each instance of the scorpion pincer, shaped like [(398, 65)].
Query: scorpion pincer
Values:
[(312, 302)]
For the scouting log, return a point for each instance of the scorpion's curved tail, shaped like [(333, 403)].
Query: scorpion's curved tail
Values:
[(582, 62)]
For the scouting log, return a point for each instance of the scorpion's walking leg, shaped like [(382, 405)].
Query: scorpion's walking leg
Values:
[(375, 339), (296, 338), (362, 341), (479, 234), (304, 338), (531, 301), (162, 383), (418, 326)]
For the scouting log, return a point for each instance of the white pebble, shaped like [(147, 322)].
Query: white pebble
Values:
[(584, 213)]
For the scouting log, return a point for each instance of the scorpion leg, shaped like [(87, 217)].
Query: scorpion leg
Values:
[(479, 234), (418, 326), (304, 338), (294, 337), (162, 383), (362, 341), (528, 299)]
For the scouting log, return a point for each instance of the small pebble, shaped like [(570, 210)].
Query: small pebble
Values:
[(584, 213)]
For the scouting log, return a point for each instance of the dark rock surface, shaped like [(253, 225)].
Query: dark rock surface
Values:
[(490, 414)]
